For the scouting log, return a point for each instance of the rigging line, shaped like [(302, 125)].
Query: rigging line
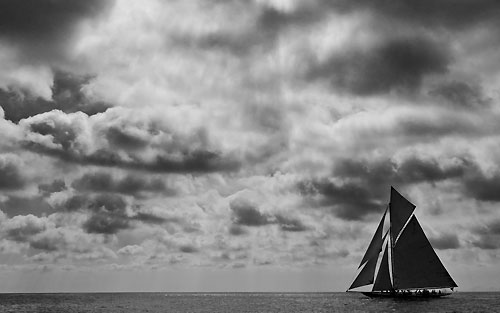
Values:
[(403, 228), (391, 249)]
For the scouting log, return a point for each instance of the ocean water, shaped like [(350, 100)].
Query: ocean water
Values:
[(242, 302)]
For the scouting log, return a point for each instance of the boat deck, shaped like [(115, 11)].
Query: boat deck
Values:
[(406, 294)]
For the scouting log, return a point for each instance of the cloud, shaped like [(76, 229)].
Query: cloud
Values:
[(130, 184), (25, 205), (56, 186), (59, 244), (461, 95), (131, 250), (408, 169), (73, 203), (448, 13), (290, 224), (445, 241), (237, 230), (483, 187), (123, 139), (104, 222), (67, 95), (10, 174), (416, 169), (188, 249), (38, 38), (108, 212), (247, 214), (245, 133), (150, 218), (51, 23), (22, 227), (359, 187), (76, 137), (397, 64), (349, 201), (488, 235)]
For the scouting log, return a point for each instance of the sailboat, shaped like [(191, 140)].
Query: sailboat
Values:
[(409, 266)]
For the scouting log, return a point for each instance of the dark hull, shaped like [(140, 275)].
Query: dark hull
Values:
[(411, 295)]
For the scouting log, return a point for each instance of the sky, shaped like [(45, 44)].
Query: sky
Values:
[(243, 145)]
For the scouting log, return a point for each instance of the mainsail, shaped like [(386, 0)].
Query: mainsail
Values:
[(416, 265), (412, 262)]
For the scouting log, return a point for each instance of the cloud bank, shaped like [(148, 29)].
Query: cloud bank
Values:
[(245, 135)]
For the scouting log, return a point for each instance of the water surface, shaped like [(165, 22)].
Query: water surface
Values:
[(242, 302)]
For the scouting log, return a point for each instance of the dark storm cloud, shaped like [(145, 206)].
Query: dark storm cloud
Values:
[(56, 186), (349, 201), (44, 26), (369, 182), (410, 170), (203, 161), (74, 203), (109, 214), (10, 176), (150, 218), (483, 187), (130, 184), (272, 20), (445, 241), (261, 35), (188, 249), (22, 205), (122, 139), (458, 14), (461, 94), (429, 170), (397, 64), (290, 224), (44, 244), (63, 136), (199, 161), (108, 202), (237, 230), (246, 213), (67, 96), (430, 129), (106, 223)]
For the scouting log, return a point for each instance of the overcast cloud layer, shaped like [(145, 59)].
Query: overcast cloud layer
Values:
[(233, 137)]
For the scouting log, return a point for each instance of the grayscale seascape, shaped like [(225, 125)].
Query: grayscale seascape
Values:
[(249, 156), (242, 302)]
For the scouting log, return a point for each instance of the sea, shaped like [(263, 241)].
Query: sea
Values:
[(242, 302)]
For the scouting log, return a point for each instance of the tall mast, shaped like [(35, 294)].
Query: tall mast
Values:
[(391, 247)]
